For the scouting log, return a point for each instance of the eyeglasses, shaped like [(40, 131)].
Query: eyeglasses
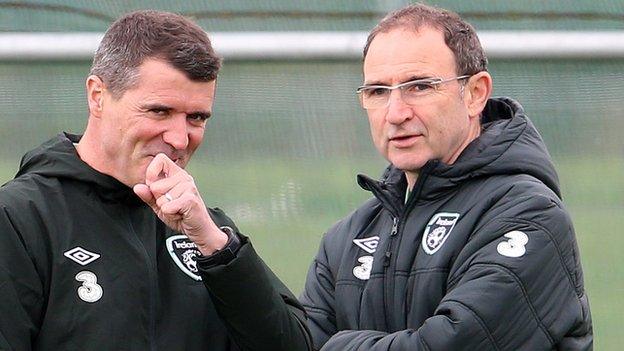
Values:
[(377, 96)]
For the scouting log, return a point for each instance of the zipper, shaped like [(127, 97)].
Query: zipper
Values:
[(393, 233), (388, 279), (397, 226)]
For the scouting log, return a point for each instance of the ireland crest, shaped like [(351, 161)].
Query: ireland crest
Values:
[(437, 231)]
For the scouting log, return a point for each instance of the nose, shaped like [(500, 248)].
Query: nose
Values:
[(398, 111), (177, 134)]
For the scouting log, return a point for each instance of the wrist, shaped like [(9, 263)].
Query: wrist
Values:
[(219, 240)]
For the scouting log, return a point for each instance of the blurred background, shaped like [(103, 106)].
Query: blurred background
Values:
[(288, 136)]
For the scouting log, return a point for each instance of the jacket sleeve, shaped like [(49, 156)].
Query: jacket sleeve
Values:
[(257, 308), (21, 290), (318, 299), (520, 291)]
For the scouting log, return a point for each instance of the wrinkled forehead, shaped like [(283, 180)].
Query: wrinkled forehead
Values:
[(404, 53)]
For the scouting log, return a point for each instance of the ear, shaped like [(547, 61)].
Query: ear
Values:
[(477, 92), (95, 95)]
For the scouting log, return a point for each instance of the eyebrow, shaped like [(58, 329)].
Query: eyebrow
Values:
[(157, 106)]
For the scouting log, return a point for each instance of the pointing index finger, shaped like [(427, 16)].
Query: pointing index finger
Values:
[(160, 167)]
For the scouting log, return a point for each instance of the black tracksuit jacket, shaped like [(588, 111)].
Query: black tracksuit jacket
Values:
[(142, 299), (483, 255)]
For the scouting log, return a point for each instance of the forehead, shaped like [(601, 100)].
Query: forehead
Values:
[(160, 81), (404, 53)]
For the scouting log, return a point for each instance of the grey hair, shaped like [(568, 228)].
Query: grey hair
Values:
[(459, 35)]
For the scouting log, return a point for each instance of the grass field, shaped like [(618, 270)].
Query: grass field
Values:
[(285, 206)]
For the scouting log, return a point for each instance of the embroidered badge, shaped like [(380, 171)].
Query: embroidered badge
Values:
[(184, 252), (515, 246), (81, 256), (90, 291), (438, 230)]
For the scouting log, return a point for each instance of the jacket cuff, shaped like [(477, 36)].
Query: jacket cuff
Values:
[(224, 255)]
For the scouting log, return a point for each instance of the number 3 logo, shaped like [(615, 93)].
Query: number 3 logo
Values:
[(90, 291), (515, 246)]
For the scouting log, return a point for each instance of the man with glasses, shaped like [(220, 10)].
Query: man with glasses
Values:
[(466, 244), (105, 241)]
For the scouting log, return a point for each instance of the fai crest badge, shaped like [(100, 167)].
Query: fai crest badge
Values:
[(437, 231), (184, 252)]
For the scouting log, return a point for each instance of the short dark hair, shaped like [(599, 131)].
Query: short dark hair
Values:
[(459, 35), (146, 34)]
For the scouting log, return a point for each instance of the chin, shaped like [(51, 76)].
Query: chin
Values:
[(411, 164)]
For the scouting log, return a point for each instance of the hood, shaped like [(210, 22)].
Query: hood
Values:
[(58, 158), (509, 144)]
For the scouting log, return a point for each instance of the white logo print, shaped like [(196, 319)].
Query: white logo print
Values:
[(188, 258), (515, 246), (81, 256), (367, 244), (90, 291), (363, 271), (184, 253), (438, 230)]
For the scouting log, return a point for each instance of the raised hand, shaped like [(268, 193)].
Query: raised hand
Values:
[(171, 192)]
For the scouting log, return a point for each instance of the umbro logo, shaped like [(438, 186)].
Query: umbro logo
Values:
[(367, 244), (362, 271), (81, 256)]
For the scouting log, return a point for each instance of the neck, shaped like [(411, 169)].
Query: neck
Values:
[(473, 133), (411, 179), (88, 151)]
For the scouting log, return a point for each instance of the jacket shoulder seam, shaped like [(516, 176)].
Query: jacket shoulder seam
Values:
[(423, 342), (571, 279), (479, 320)]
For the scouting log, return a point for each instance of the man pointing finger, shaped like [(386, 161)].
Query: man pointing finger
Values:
[(171, 192), (105, 242)]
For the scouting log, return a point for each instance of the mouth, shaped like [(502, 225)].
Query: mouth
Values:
[(177, 159), (403, 141)]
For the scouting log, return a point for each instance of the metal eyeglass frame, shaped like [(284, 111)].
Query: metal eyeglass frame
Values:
[(434, 82)]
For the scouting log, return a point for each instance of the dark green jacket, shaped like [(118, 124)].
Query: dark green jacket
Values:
[(85, 265), (483, 255)]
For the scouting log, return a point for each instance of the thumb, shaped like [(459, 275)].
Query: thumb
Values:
[(145, 194)]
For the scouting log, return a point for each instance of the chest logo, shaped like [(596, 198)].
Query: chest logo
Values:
[(363, 271), (438, 230), (184, 253), (515, 246), (90, 291), (367, 244), (81, 256)]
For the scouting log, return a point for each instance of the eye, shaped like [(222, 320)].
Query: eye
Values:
[(159, 111), (197, 117), (376, 92), (418, 87)]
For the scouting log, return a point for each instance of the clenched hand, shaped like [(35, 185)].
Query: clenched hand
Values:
[(171, 192)]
